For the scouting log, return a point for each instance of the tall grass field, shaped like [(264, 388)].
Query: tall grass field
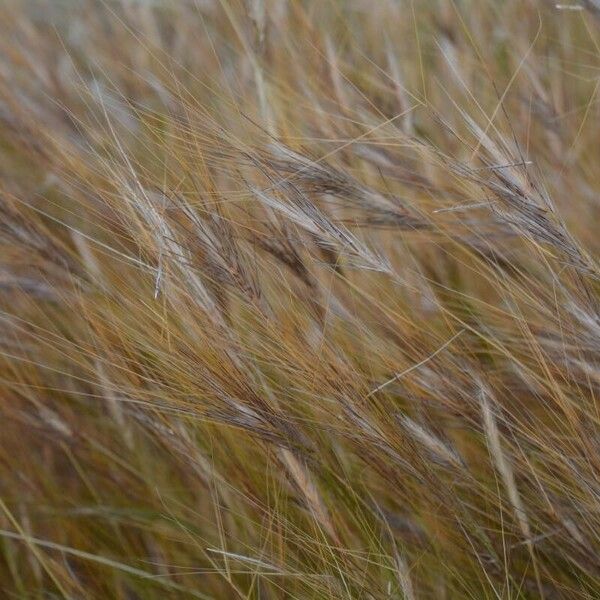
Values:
[(299, 299)]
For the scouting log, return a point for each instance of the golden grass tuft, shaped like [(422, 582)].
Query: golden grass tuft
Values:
[(299, 299)]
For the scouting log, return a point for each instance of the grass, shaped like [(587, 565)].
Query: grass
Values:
[(299, 299)]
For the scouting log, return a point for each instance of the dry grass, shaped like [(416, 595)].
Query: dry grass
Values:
[(299, 299)]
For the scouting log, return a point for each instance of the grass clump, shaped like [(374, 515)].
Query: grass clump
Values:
[(299, 299)]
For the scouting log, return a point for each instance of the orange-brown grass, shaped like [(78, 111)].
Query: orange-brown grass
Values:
[(299, 299)]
